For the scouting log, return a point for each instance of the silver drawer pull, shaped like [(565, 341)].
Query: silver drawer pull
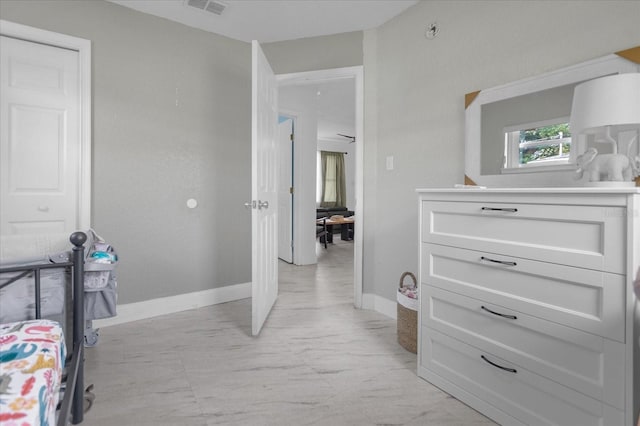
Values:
[(513, 317), (510, 370), (501, 262), (499, 209)]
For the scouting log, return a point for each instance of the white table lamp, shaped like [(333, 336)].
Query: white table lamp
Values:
[(603, 107)]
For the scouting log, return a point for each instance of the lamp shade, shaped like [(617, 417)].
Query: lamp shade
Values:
[(607, 101)]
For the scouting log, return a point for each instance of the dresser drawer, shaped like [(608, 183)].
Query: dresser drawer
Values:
[(584, 362), (581, 236), (516, 391), (592, 301)]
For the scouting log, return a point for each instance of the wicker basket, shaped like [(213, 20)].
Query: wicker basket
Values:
[(407, 318)]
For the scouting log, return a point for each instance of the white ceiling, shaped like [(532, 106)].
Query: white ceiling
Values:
[(337, 109), (277, 20), (335, 101)]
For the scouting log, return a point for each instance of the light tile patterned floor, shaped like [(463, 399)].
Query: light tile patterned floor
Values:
[(318, 361)]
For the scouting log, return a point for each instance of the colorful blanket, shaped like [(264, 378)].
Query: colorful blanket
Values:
[(32, 356)]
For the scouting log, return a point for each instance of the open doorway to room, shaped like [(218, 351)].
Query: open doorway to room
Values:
[(326, 107), (335, 166)]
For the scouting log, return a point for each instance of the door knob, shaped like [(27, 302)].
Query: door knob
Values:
[(43, 209), (257, 205)]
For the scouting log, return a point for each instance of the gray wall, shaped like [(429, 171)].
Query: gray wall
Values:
[(150, 156), (315, 53), (171, 121), (414, 98)]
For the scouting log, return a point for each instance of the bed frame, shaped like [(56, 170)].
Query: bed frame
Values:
[(73, 399)]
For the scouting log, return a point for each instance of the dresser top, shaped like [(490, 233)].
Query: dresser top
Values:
[(524, 191)]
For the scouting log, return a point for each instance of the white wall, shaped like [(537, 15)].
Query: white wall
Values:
[(414, 98)]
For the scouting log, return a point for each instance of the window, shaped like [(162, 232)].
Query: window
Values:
[(537, 144), (331, 178)]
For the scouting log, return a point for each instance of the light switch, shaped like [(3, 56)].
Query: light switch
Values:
[(390, 162)]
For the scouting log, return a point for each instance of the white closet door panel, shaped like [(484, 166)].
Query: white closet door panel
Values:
[(40, 140), (36, 153)]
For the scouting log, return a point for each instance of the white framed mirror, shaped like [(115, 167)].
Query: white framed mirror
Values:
[(517, 135)]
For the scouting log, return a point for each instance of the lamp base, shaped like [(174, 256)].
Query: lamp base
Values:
[(611, 184)]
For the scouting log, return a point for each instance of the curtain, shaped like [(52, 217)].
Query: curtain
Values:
[(334, 188)]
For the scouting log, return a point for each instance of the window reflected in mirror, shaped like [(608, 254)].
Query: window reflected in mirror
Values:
[(517, 134), (537, 144)]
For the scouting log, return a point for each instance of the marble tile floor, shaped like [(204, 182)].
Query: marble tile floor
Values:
[(318, 361)]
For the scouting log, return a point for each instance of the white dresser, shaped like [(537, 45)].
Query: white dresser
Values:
[(527, 309)]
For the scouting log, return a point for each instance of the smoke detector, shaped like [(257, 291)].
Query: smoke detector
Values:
[(213, 6)]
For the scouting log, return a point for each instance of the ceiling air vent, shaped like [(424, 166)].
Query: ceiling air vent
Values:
[(213, 6)]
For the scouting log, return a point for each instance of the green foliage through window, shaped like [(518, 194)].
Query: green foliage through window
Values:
[(544, 143), (557, 131)]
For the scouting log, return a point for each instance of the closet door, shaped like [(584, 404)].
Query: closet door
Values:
[(39, 138)]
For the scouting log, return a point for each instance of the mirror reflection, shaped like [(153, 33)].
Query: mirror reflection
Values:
[(518, 134), (509, 128)]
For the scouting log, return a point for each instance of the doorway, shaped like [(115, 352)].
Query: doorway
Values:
[(304, 165)]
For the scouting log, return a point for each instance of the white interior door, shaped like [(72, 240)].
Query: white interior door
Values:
[(39, 138), (285, 191), (264, 188)]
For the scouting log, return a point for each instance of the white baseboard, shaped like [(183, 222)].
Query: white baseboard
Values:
[(380, 304), (169, 305)]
